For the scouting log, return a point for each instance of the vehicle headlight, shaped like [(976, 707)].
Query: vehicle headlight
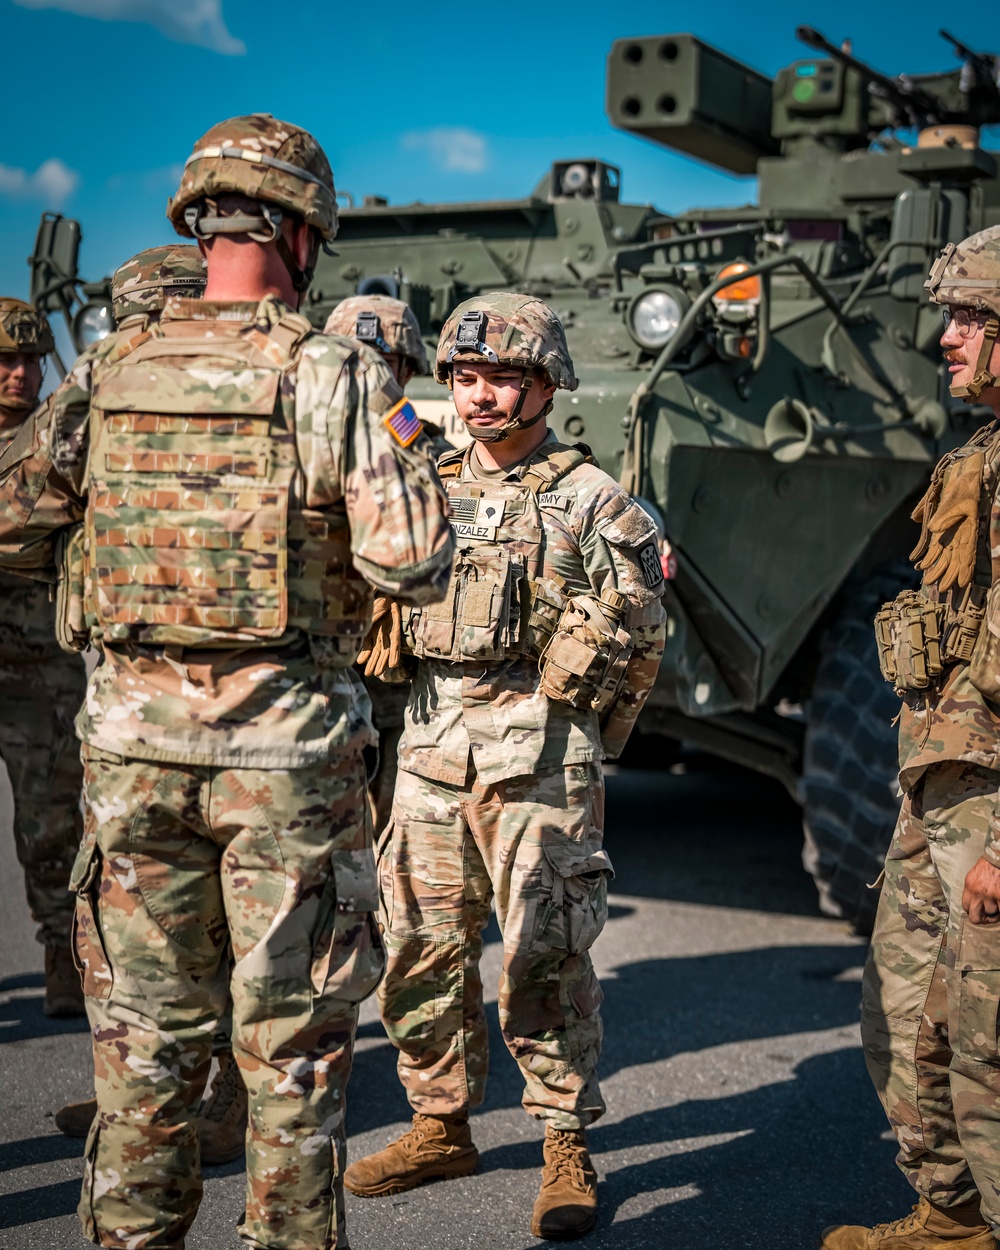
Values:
[(654, 317), (91, 324)]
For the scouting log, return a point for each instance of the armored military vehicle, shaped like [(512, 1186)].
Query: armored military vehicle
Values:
[(766, 378)]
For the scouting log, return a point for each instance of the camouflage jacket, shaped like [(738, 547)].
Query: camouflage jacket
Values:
[(494, 717), (953, 721), (277, 705), (27, 608)]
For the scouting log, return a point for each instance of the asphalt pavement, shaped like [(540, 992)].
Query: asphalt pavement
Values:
[(739, 1111)]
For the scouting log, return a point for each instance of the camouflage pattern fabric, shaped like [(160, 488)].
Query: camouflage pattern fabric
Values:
[(291, 703), (953, 721), (41, 690), (515, 330), (398, 328), (24, 329), (176, 863), (265, 159), (143, 284), (966, 273), (931, 987), (230, 773), (534, 845), (493, 716)]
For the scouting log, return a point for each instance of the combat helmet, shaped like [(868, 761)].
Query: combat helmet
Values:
[(24, 329), (384, 323), (505, 328), (968, 273), (279, 166), (141, 286)]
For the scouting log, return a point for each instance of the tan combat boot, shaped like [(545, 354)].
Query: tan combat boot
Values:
[(927, 1227), (63, 987), (566, 1205), (433, 1149), (75, 1118), (222, 1123)]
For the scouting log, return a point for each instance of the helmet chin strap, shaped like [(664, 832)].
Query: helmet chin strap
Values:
[(983, 379), (514, 421)]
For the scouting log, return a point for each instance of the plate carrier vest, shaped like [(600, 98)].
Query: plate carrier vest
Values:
[(192, 530)]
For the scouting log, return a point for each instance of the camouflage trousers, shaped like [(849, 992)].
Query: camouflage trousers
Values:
[(177, 862), (931, 994), (41, 689), (534, 845)]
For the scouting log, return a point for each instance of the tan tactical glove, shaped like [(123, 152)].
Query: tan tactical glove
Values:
[(382, 648), (948, 540)]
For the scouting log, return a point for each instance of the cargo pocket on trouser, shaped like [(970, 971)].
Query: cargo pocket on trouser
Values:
[(577, 909), (348, 957), (978, 970), (88, 945)]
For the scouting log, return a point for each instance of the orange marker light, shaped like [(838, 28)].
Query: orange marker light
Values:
[(742, 291)]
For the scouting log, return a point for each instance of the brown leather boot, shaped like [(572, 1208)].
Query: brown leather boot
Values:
[(434, 1149), (75, 1118), (566, 1205), (222, 1123), (927, 1227), (63, 988)]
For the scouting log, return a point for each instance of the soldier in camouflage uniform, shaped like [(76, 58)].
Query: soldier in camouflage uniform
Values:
[(388, 326), (139, 290), (244, 482), (932, 985), (41, 689), (532, 669)]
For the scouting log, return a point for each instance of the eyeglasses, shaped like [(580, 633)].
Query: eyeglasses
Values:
[(965, 320)]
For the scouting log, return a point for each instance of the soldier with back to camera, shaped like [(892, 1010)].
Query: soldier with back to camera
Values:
[(931, 985), (244, 482), (139, 290), (530, 671)]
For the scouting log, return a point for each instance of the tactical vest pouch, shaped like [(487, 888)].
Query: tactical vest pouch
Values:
[(984, 666), (908, 632), (544, 603), (480, 615), (72, 629), (585, 660)]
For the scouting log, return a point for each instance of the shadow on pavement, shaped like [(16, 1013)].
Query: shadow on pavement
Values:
[(22, 1018), (44, 1202), (748, 848)]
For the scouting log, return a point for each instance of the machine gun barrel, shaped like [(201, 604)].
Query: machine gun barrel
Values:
[(982, 64), (919, 107)]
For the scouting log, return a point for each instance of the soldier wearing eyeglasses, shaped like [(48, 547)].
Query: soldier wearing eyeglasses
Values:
[(932, 983)]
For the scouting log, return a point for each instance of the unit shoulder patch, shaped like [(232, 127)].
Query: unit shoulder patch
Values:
[(649, 561)]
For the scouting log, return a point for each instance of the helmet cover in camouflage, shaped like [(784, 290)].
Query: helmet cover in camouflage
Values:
[(143, 283), (505, 328), (24, 329), (382, 322), (266, 160), (968, 273)]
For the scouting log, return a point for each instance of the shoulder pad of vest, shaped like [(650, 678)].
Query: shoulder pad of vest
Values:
[(450, 464), (560, 459)]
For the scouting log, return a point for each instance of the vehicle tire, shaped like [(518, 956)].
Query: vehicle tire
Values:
[(849, 788)]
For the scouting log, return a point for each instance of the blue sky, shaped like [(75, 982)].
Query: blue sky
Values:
[(105, 98)]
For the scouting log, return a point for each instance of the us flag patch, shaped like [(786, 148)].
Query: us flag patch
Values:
[(403, 423)]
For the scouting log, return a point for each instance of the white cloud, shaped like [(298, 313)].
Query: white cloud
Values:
[(52, 183), (187, 21), (451, 148)]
